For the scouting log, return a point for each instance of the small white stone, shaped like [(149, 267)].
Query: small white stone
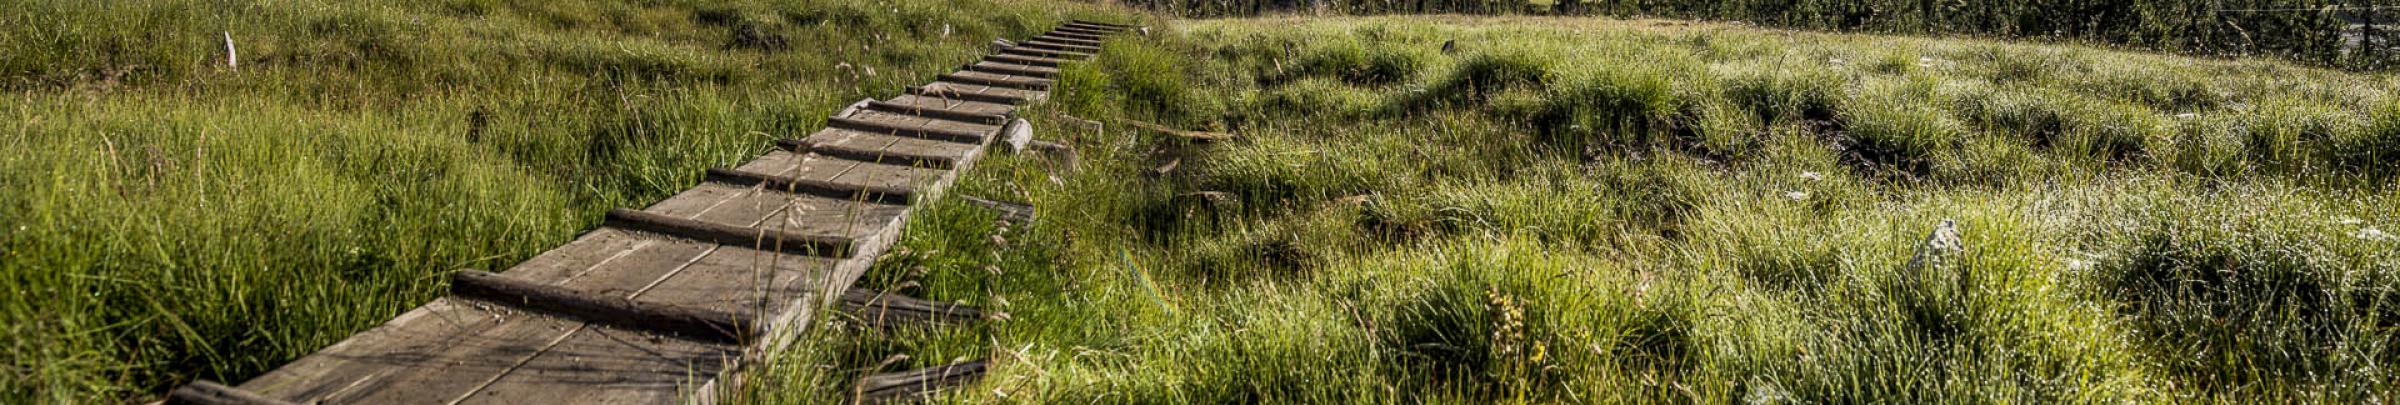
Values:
[(1017, 135), (1796, 195), (2344, 220), (2187, 115), (1837, 61), (1813, 176)]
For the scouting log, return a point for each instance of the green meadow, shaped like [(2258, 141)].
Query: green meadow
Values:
[(1412, 209), (1595, 210)]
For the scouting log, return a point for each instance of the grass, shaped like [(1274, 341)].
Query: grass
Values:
[(170, 217), (1557, 210), (1594, 210)]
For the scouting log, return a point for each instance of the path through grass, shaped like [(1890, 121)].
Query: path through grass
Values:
[(165, 217)]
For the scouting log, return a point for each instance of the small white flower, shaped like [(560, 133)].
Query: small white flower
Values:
[(2370, 233), (1813, 176), (1796, 195)]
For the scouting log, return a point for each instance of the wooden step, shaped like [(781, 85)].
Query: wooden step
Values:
[(1074, 34), (463, 351), (886, 149), (1011, 69), (1046, 53), (997, 80), (698, 323), (908, 126), (916, 384), (1026, 60), (1069, 40), (988, 109), (711, 232), (1033, 43), (892, 181), (205, 392), (886, 195), (888, 310), (975, 92), (938, 111)]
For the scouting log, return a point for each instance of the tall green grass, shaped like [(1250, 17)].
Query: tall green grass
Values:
[(169, 217), (1589, 210)]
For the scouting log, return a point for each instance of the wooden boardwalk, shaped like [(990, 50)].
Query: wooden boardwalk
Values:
[(665, 303)]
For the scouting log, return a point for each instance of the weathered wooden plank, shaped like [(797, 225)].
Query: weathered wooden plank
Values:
[(820, 188), (677, 272), (695, 323), (964, 106), (1011, 69), (612, 257), (908, 126), (1069, 39), (753, 284), (1047, 53), (884, 388), (1071, 33), (761, 238), (999, 94), (997, 79), (205, 392), (939, 90), (1013, 212), (887, 310), (938, 111), (608, 366), (843, 172), (432, 354), (799, 218), (888, 149), (919, 126), (1025, 60), (1083, 31), (1036, 43)]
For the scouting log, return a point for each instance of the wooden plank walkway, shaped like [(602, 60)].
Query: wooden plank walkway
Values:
[(665, 303)]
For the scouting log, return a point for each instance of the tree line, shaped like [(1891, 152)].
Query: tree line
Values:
[(2342, 33)]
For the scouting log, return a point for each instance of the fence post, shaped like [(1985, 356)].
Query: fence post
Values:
[(2370, 54)]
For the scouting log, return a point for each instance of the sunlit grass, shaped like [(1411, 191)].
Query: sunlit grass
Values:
[(1592, 210)]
